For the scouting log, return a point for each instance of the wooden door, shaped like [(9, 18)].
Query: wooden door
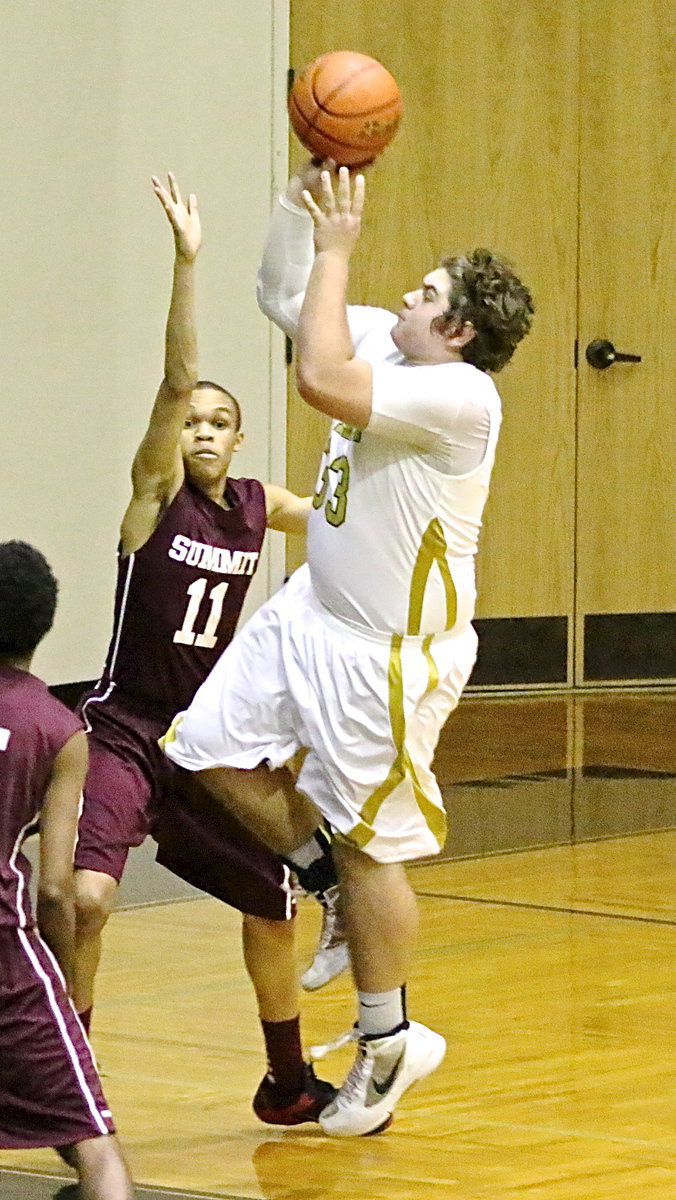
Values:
[(486, 155), (543, 131), (626, 543)]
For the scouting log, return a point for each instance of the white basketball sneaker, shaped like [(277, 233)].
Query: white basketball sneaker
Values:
[(332, 956), (383, 1069)]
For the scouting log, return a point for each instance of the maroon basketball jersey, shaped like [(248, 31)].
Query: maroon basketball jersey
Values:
[(34, 727), (179, 597)]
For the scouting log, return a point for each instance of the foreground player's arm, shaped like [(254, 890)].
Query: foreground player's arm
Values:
[(58, 830), (157, 470), (285, 510), (329, 376)]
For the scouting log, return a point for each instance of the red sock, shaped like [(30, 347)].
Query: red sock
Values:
[(285, 1053), (86, 1019)]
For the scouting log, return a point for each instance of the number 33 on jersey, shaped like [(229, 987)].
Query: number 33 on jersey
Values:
[(334, 477)]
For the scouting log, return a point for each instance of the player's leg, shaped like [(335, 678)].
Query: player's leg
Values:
[(50, 1091), (115, 816), (102, 1172), (331, 956), (381, 917), (95, 895), (200, 840), (266, 801), (269, 957), (381, 920), (289, 1093), (398, 819)]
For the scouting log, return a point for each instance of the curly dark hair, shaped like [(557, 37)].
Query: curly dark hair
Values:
[(486, 293), (28, 593)]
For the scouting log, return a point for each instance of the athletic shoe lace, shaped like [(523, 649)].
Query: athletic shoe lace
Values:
[(330, 933), (355, 1081), (321, 1051)]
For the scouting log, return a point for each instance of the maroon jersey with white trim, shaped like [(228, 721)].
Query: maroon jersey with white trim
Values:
[(179, 597), (34, 727)]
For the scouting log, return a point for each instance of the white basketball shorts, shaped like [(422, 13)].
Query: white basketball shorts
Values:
[(367, 707)]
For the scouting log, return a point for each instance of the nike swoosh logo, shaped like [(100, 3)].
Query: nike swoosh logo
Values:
[(381, 1089)]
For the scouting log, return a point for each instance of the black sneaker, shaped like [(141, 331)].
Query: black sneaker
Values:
[(276, 1106)]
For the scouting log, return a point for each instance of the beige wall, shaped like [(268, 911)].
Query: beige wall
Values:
[(94, 98)]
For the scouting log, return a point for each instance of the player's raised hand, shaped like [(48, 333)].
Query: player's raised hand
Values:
[(183, 217), (337, 216)]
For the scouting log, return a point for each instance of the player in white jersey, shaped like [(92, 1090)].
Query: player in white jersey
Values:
[(365, 652)]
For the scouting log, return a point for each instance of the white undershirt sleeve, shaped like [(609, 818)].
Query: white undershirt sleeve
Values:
[(288, 256), (285, 268)]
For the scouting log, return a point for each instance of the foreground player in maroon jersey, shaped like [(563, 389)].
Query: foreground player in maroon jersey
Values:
[(50, 1093), (189, 546)]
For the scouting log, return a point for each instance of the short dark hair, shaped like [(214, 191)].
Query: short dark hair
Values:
[(486, 292), (28, 592), (216, 387)]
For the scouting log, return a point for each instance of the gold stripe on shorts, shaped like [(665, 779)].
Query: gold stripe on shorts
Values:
[(432, 668), (435, 818)]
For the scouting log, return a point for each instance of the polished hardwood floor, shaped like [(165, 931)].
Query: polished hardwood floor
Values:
[(546, 958)]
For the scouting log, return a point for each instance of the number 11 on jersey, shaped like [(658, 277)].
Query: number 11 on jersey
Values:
[(186, 635)]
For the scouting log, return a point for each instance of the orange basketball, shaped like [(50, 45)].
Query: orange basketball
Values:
[(345, 106)]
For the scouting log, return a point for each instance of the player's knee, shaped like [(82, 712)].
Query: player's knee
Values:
[(351, 861), (100, 1164), (94, 900), (358, 873)]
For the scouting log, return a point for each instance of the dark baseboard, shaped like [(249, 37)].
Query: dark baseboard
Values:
[(521, 650), (630, 646)]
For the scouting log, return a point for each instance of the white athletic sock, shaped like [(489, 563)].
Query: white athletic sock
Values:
[(382, 1013)]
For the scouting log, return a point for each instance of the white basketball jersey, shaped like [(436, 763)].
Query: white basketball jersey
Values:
[(393, 536)]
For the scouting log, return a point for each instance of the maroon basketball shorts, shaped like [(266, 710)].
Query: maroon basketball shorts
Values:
[(124, 783), (50, 1093), (132, 790)]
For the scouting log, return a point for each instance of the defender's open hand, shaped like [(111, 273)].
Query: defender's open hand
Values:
[(184, 218)]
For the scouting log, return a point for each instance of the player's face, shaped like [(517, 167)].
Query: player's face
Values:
[(412, 334), (210, 437)]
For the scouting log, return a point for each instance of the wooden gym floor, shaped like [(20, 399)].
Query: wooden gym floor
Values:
[(546, 957)]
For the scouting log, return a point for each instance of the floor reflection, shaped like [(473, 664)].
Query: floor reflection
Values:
[(517, 774)]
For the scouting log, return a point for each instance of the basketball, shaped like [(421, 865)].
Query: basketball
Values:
[(345, 106)]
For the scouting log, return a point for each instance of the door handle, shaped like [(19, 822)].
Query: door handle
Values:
[(602, 354)]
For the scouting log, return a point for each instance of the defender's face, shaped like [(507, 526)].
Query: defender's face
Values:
[(210, 437), (412, 334)]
